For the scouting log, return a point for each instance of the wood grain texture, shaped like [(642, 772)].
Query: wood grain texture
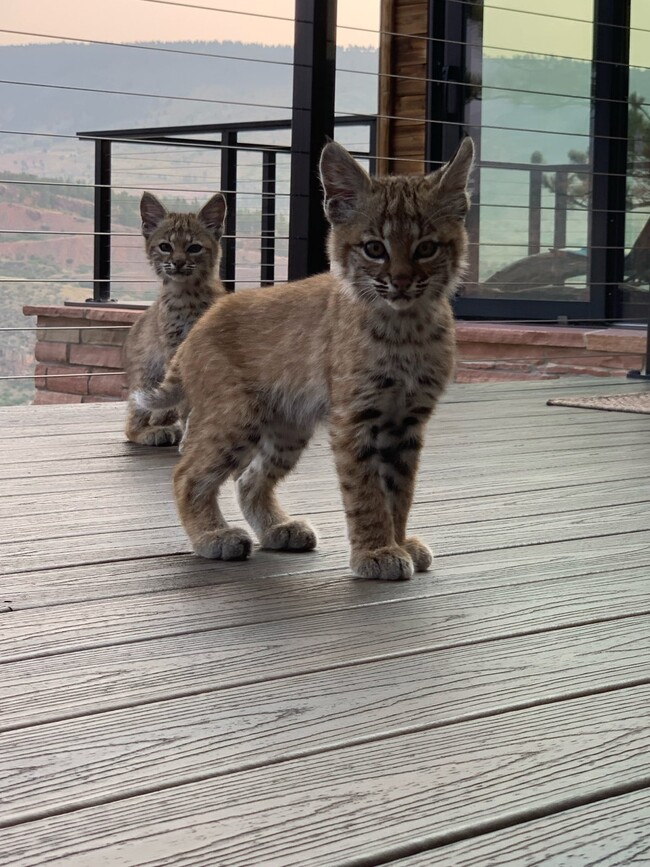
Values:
[(610, 833), (144, 539), (124, 752), (158, 708), (107, 656), (368, 800), (276, 575)]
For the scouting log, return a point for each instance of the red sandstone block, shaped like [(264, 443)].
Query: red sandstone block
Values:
[(97, 356), (107, 384), (46, 351), (39, 376), (616, 340), (59, 321), (59, 379), (575, 370), (464, 376), (53, 310), (497, 365), (547, 335), (105, 335), (98, 398), (110, 314), (497, 353), (56, 330), (51, 397), (617, 362)]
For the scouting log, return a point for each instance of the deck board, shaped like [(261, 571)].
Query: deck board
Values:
[(173, 741), (610, 833), (369, 799), (157, 708)]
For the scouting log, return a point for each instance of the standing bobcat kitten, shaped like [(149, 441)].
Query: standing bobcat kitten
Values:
[(184, 251), (369, 347)]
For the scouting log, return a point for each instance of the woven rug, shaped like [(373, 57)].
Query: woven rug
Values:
[(613, 402)]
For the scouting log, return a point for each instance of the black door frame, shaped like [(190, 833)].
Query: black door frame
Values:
[(452, 112)]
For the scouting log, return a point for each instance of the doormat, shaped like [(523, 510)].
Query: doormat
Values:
[(639, 402)]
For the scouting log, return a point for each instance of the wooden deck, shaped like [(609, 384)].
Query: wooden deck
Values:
[(160, 709)]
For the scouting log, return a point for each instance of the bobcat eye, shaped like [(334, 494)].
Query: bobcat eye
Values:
[(426, 249), (165, 247), (194, 248), (374, 250)]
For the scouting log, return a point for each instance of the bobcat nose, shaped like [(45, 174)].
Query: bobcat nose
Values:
[(179, 264), (402, 282)]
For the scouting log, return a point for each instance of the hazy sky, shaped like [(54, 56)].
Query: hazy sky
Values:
[(141, 20), (147, 20)]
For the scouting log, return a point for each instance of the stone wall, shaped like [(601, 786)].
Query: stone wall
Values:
[(78, 352), (492, 352)]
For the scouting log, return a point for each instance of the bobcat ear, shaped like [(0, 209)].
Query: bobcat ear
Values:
[(152, 212), (344, 182), (455, 174), (453, 178), (212, 215)]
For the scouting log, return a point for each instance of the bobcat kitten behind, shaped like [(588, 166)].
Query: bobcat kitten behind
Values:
[(369, 347), (184, 251)]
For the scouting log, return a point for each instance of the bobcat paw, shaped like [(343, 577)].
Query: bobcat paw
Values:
[(383, 564), (290, 536), (162, 436), (420, 553), (231, 543)]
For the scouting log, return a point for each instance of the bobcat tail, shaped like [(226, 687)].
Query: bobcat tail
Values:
[(168, 394)]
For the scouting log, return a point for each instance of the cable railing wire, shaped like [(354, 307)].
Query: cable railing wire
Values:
[(379, 32), (403, 159), (341, 70), (258, 194)]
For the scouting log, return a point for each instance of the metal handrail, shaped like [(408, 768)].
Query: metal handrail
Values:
[(229, 145)]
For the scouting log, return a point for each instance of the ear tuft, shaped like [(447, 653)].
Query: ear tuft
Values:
[(152, 211), (213, 214), (344, 182), (451, 181), (455, 174)]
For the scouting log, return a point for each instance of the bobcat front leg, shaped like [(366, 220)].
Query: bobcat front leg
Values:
[(399, 454), (375, 552)]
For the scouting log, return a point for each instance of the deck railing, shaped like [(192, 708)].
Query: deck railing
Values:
[(228, 143)]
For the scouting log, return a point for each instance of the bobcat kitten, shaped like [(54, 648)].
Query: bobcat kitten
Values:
[(184, 251), (369, 348)]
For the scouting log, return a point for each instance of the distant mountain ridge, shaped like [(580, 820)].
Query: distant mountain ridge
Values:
[(184, 71)]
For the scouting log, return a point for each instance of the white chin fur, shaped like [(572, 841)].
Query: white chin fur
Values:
[(399, 303)]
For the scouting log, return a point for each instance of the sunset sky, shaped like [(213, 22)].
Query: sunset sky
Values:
[(150, 20), (141, 20)]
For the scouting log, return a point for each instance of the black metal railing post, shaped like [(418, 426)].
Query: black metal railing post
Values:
[(372, 147), (560, 214), (229, 188), (534, 210), (312, 122), (610, 92), (102, 236), (267, 258)]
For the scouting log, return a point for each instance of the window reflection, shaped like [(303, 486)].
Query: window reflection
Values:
[(535, 155)]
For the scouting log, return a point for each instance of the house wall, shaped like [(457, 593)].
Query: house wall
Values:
[(402, 86)]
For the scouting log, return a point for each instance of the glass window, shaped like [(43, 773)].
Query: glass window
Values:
[(532, 228)]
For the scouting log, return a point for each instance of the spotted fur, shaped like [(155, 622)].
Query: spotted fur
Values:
[(368, 348), (184, 251)]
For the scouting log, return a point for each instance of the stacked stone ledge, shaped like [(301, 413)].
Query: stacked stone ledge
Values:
[(84, 341)]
